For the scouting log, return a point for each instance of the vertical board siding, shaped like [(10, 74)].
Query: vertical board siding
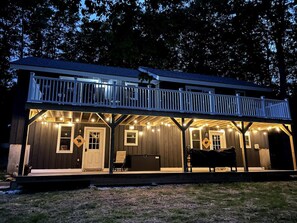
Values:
[(166, 143), (43, 142)]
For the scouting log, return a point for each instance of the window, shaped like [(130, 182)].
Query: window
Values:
[(65, 139), (131, 138), (131, 90), (247, 137), (217, 139), (195, 137), (199, 89)]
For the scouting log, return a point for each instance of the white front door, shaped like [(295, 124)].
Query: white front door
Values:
[(217, 139), (94, 148)]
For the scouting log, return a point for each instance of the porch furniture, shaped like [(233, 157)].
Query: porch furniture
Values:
[(213, 158), (143, 162), (120, 160)]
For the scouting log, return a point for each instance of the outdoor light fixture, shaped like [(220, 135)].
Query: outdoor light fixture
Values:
[(77, 120), (92, 120), (131, 127)]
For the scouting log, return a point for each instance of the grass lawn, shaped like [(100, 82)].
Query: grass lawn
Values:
[(236, 202)]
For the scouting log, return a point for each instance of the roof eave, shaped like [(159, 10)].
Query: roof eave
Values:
[(70, 72)]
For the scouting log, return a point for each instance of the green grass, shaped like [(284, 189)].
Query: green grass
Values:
[(230, 202)]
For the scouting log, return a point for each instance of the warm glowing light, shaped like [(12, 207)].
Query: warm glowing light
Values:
[(264, 133), (184, 124), (56, 125), (255, 131), (153, 130), (107, 119), (131, 127), (77, 120), (61, 118), (218, 126), (230, 130), (135, 121), (169, 125), (162, 123), (158, 130), (40, 118), (140, 133), (148, 126), (278, 129), (92, 120), (206, 124), (269, 128), (228, 126)]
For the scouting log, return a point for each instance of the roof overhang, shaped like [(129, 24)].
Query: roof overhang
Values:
[(204, 83), (72, 72)]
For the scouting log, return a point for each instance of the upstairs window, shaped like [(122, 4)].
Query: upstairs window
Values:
[(65, 138), (200, 89)]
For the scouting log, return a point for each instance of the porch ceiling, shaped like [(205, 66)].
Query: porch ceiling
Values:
[(139, 120)]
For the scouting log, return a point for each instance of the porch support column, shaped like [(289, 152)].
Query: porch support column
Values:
[(27, 124), (288, 131), (243, 130), (183, 127), (112, 125), (24, 142)]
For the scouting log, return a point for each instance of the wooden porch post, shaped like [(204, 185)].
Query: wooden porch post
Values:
[(243, 130), (289, 132), (111, 151), (183, 127), (114, 123), (24, 143)]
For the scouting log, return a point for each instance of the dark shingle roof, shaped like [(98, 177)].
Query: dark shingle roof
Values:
[(200, 77), (74, 66), (93, 69)]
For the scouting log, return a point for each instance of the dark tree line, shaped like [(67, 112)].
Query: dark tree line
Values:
[(252, 40)]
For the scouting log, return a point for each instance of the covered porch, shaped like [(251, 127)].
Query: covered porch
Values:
[(165, 137)]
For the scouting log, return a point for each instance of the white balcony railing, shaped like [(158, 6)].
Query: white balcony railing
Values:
[(73, 92)]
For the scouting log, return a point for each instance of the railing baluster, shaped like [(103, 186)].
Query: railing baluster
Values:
[(53, 90)]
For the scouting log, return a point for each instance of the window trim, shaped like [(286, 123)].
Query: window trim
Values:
[(223, 139), (136, 138), (191, 137), (135, 87), (249, 141), (202, 89), (59, 139)]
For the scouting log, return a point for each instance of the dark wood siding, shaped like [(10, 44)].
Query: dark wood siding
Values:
[(19, 111), (43, 143), (233, 139), (166, 143)]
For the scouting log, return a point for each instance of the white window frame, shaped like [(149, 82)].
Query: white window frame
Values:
[(223, 139), (191, 137), (59, 139), (126, 143), (248, 142), (202, 89), (127, 84)]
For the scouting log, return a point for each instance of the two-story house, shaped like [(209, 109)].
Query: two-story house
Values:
[(74, 117)]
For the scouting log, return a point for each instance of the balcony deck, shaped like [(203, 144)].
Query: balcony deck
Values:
[(79, 93)]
